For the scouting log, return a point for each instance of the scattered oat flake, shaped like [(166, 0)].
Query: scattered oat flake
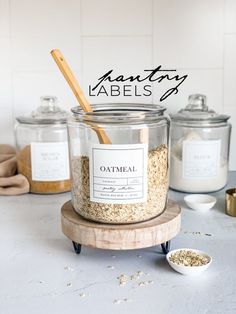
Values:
[(145, 283), (82, 295), (134, 277), (198, 233), (69, 268), (118, 301), (137, 275), (123, 279), (142, 284), (110, 267)]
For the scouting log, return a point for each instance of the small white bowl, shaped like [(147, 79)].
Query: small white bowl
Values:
[(200, 202), (189, 270)]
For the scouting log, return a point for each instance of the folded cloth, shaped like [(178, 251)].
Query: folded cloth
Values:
[(14, 185), (10, 182)]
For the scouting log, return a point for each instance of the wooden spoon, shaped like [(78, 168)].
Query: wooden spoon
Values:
[(74, 85)]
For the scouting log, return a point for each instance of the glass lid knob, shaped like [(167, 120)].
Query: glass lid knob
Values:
[(197, 102), (48, 103)]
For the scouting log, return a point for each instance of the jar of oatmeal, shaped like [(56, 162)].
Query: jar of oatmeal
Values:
[(125, 180), (42, 148)]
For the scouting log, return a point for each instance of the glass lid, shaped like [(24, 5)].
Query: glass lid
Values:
[(47, 113), (197, 112)]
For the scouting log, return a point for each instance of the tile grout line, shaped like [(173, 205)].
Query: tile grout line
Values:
[(81, 45), (199, 69), (13, 115), (152, 46), (117, 36), (223, 61)]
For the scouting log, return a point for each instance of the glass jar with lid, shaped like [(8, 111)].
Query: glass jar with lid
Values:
[(200, 141), (125, 180), (42, 148)]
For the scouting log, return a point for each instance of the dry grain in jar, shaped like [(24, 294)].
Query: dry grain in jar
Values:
[(40, 187), (122, 213)]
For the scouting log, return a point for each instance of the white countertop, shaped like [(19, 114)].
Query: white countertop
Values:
[(40, 273)]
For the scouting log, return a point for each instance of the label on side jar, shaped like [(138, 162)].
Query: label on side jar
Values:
[(50, 161), (201, 159), (118, 173)]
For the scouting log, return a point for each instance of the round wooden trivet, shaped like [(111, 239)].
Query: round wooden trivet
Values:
[(121, 237)]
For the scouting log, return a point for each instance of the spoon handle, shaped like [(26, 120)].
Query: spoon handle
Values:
[(75, 87), (71, 80)]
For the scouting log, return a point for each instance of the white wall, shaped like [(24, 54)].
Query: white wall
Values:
[(197, 37)]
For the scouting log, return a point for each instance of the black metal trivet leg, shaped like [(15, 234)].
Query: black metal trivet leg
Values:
[(77, 247), (165, 247)]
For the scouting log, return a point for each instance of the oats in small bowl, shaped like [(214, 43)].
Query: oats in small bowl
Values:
[(188, 261)]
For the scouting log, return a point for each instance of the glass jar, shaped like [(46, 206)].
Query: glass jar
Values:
[(42, 148), (200, 141), (124, 181)]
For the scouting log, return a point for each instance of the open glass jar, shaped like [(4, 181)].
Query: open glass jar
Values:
[(42, 148), (125, 181), (200, 141)]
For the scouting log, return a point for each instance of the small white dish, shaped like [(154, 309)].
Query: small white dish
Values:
[(189, 270), (200, 202)]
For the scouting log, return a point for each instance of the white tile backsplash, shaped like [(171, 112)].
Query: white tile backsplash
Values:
[(188, 34), (5, 75), (6, 127), (112, 17), (27, 92), (6, 96), (207, 82), (5, 55), (52, 24), (34, 55), (4, 18), (230, 71), (125, 56), (197, 38), (230, 16), (49, 18), (232, 112)]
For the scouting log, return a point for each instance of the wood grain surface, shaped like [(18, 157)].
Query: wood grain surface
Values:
[(121, 237)]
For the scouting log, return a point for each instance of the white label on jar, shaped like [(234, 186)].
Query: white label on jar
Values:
[(50, 161), (201, 159), (118, 173)]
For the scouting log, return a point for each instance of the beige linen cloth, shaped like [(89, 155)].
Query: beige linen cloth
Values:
[(11, 183)]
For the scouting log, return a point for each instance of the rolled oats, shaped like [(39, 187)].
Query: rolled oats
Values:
[(188, 258), (122, 213)]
